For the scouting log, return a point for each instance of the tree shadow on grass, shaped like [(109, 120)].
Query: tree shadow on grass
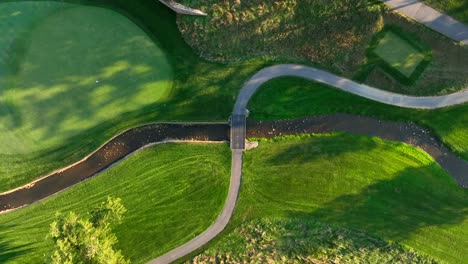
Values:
[(313, 148), (202, 91), (9, 251), (396, 209), (211, 84)]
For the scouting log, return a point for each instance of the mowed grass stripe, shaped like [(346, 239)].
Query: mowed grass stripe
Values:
[(387, 189), (166, 207)]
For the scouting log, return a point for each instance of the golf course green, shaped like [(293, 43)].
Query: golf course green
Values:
[(105, 66), (66, 69), (78, 67)]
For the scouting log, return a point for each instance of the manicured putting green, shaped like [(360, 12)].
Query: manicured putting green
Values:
[(67, 68), (172, 192), (398, 53)]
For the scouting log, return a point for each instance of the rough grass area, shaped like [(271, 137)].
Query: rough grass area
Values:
[(329, 34), (333, 34), (172, 192), (399, 54), (456, 8), (302, 240), (290, 97), (386, 189), (53, 112)]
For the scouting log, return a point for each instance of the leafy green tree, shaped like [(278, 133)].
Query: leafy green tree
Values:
[(88, 240)]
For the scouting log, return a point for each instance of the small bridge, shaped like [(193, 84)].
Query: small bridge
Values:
[(181, 9), (238, 124)]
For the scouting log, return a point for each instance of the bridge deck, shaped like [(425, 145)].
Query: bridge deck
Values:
[(238, 124)]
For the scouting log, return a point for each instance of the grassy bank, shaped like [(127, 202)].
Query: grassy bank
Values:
[(156, 185), (289, 97), (388, 190)]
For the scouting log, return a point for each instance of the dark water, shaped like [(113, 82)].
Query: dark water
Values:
[(367, 126), (112, 152), (133, 139)]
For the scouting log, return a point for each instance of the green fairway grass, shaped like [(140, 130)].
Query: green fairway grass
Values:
[(387, 189), (398, 53), (290, 97), (72, 76), (172, 192)]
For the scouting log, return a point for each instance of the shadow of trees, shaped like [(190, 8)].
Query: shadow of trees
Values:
[(334, 145), (8, 250), (415, 202), (398, 209), (201, 91)]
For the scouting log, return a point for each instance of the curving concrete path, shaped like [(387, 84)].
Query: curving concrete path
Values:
[(432, 18), (181, 9), (238, 128), (264, 75), (219, 224)]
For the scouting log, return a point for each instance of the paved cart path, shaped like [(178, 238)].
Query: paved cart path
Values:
[(432, 18), (238, 123), (264, 75)]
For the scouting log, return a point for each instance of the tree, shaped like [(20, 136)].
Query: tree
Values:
[(88, 240)]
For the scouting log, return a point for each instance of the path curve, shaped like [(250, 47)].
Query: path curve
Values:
[(238, 130), (240, 109), (314, 74), (181, 9), (431, 18)]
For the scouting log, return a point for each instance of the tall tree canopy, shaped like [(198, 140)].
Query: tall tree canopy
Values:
[(81, 240)]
